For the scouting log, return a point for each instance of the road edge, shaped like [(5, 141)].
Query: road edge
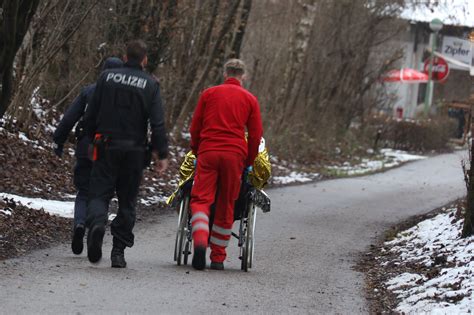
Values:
[(380, 300)]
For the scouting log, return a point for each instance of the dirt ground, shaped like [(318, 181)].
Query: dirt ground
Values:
[(23, 229)]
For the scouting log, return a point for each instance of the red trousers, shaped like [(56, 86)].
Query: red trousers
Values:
[(217, 171)]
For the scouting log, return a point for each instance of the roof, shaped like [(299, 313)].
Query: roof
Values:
[(451, 12)]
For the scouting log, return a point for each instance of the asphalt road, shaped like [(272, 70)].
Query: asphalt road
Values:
[(305, 250)]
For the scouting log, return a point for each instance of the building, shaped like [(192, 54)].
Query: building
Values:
[(454, 43)]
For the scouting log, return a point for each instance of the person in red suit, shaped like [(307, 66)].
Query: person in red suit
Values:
[(222, 116)]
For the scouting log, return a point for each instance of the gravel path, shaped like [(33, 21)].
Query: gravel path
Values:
[(305, 250)]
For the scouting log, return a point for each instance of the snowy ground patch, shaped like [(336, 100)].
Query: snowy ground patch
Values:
[(63, 209), (294, 177), (153, 200), (441, 264), (388, 158), (5, 212), (283, 173)]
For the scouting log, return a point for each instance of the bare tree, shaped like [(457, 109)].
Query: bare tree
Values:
[(207, 68), (55, 25), (16, 16), (317, 69), (468, 226)]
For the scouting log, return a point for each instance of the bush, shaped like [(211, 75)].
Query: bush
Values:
[(431, 134)]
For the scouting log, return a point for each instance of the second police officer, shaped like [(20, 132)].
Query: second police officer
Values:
[(82, 170)]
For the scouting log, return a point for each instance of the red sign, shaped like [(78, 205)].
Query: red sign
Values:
[(440, 70)]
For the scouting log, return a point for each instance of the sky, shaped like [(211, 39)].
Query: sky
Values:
[(451, 12)]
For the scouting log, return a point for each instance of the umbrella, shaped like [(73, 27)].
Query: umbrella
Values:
[(405, 76)]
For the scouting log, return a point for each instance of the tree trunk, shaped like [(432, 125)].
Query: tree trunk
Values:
[(239, 36), (215, 50), (16, 18), (468, 228), (193, 65)]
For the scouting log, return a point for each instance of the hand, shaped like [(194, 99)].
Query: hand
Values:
[(161, 166), (58, 149)]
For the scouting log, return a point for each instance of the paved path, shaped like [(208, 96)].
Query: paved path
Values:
[(305, 250)]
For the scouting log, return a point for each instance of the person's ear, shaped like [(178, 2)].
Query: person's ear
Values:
[(145, 61), (225, 75)]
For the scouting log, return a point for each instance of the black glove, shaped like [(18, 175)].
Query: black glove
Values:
[(58, 149)]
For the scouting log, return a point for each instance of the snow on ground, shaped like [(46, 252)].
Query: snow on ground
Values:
[(61, 208), (451, 12), (388, 158), (294, 177), (286, 174), (448, 286), (5, 212), (153, 200)]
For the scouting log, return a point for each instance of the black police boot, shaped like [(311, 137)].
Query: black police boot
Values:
[(217, 265), (117, 255), (77, 244), (199, 258), (94, 243)]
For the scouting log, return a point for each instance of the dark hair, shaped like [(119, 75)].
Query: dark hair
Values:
[(136, 50)]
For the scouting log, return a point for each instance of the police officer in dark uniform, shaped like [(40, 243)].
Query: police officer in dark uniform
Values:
[(125, 101), (83, 167)]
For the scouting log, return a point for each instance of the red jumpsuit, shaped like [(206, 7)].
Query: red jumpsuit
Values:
[(218, 138)]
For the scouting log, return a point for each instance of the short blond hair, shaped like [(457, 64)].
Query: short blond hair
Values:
[(234, 68)]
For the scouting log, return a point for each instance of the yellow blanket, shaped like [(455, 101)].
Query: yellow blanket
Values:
[(258, 177)]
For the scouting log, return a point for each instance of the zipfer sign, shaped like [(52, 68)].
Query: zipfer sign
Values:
[(440, 70), (458, 49)]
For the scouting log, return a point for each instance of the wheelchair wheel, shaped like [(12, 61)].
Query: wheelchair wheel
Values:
[(178, 232), (187, 248), (183, 231), (252, 224), (247, 248)]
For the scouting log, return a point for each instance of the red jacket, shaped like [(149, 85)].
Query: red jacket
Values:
[(220, 119)]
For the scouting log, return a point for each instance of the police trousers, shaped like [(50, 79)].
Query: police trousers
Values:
[(116, 171), (82, 173)]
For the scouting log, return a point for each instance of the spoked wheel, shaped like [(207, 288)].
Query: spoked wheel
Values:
[(188, 236), (187, 248), (251, 239), (248, 231), (182, 233), (178, 232)]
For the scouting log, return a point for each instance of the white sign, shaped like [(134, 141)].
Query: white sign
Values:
[(458, 49)]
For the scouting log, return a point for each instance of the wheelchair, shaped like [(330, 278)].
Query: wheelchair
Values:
[(245, 211)]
